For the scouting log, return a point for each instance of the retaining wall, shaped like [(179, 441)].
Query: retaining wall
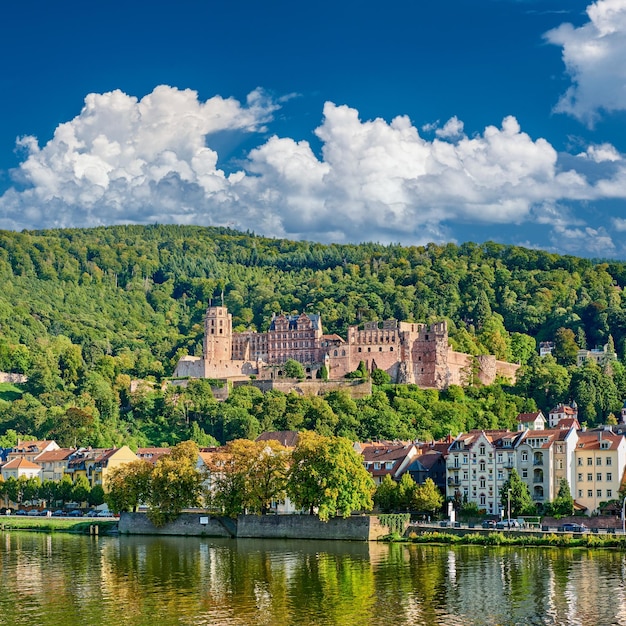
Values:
[(353, 528)]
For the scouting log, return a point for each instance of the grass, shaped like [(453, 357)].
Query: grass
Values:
[(586, 540), (50, 524), (10, 392)]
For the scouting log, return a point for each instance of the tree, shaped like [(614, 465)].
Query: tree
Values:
[(96, 496), (406, 491), (65, 488), (327, 475), (175, 483), (520, 499), (565, 347), (256, 470), (294, 369), (380, 377), (386, 495), (81, 489), (563, 504), (129, 485), (427, 497)]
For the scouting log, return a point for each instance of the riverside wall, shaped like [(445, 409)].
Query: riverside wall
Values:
[(353, 528)]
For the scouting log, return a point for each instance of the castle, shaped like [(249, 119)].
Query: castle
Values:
[(408, 352)]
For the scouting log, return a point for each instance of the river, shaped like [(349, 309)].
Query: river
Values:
[(60, 579)]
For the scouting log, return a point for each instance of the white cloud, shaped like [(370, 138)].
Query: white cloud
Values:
[(619, 224), (125, 160), (602, 153), (452, 128), (583, 241), (594, 58)]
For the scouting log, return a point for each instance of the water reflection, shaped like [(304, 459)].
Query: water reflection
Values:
[(63, 579)]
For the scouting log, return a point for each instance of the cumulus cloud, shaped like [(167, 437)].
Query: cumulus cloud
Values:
[(129, 160), (594, 58), (124, 159)]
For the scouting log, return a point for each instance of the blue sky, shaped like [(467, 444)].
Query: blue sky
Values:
[(336, 121)]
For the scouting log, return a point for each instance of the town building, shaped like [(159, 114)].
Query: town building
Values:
[(562, 412), (20, 466), (409, 352), (478, 463), (531, 421), (599, 463), (599, 356), (387, 458)]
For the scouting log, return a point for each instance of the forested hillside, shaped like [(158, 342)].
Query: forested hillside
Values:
[(83, 311)]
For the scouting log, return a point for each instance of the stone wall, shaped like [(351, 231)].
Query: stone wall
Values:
[(353, 528), (9, 377), (356, 388), (188, 524)]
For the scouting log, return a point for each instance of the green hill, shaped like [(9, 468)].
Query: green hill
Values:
[(82, 310)]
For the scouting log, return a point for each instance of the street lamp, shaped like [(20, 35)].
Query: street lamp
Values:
[(508, 519)]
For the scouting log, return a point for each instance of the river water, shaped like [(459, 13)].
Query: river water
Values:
[(62, 579)]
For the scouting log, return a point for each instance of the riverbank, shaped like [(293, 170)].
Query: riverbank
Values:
[(561, 540), (51, 525)]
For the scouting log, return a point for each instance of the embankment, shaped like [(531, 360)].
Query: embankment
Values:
[(353, 528)]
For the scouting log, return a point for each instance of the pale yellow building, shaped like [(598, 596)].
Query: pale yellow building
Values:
[(599, 462)]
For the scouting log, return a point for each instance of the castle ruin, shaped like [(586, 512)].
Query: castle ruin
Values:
[(408, 352)]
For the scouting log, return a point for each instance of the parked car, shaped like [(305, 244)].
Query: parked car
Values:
[(58, 513), (574, 528), (75, 513), (92, 513), (45, 513), (507, 523), (104, 514), (20, 512), (489, 523), (33, 513)]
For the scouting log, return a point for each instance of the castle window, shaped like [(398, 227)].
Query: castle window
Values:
[(369, 349), (220, 331), (426, 337), (360, 349), (343, 353), (391, 349), (212, 331), (335, 353), (380, 349)]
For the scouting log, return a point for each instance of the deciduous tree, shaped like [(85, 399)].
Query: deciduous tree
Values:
[(327, 475)]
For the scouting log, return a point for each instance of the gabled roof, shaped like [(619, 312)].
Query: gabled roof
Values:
[(428, 459), (386, 452), (593, 440), (62, 454), (566, 423), (20, 463), (529, 417), (152, 455), (287, 438)]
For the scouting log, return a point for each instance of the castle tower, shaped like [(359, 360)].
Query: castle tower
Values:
[(218, 334)]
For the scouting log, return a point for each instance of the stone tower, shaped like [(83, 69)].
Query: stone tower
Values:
[(218, 334)]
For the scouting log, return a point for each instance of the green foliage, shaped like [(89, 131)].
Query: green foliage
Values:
[(427, 497), (563, 504), (84, 311), (380, 377), (294, 369), (386, 495), (248, 476), (520, 499), (327, 475), (175, 483), (128, 486), (395, 522)]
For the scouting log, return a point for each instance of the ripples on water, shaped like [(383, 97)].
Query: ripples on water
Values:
[(66, 579)]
